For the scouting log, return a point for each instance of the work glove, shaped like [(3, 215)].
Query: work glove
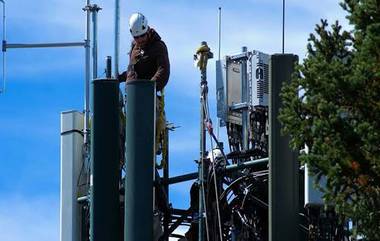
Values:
[(131, 75)]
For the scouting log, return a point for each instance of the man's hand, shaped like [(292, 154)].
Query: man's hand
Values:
[(131, 75)]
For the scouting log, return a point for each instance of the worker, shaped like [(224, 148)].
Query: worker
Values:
[(148, 60)]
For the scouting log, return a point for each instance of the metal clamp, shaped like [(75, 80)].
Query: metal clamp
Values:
[(239, 106), (92, 8)]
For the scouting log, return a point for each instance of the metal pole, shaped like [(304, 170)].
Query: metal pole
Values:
[(87, 75), (283, 26), (233, 233), (140, 129), (117, 38), (94, 11), (202, 142), (247, 164), (283, 163), (105, 159), (244, 98), (4, 54), (219, 47), (229, 169), (43, 45), (183, 178), (86, 130), (203, 54), (166, 178), (219, 31), (202, 146)]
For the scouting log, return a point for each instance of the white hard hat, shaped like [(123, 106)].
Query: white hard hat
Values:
[(215, 154), (138, 24)]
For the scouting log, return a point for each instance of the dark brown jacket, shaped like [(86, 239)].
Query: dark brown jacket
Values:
[(150, 61)]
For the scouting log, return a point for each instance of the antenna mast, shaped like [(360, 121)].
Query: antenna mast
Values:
[(283, 26), (219, 47)]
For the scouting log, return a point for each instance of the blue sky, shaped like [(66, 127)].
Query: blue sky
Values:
[(41, 83)]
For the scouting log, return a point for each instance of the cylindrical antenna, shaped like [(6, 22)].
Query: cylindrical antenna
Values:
[(283, 26), (139, 158), (105, 142)]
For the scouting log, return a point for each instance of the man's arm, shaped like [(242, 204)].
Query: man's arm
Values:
[(129, 74), (122, 77), (163, 67)]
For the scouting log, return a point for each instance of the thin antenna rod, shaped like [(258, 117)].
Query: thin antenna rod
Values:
[(219, 47), (2, 90), (220, 31), (283, 26), (117, 38)]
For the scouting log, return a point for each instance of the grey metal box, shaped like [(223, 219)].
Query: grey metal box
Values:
[(228, 84)]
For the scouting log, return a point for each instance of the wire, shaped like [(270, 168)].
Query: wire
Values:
[(216, 192), (85, 165), (208, 122), (207, 114), (245, 196), (205, 206)]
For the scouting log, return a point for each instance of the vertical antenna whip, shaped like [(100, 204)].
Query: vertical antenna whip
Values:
[(219, 31), (219, 46), (283, 26), (4, 48), (117, 38)]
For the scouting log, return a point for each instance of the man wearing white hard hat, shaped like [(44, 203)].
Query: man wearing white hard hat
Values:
[(148, 59), (148, 56)]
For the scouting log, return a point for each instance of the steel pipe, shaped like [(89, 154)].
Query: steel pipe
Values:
[(244, 99), (44, 45), (94, 11), (87, 46), (228, 169)]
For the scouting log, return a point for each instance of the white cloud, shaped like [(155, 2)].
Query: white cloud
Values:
[(38, 122), (183, 28), (29, 218)]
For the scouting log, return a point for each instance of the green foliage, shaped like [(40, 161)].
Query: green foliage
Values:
[(333, 106)]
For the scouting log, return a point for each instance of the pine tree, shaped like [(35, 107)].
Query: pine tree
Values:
[(333, 106)]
